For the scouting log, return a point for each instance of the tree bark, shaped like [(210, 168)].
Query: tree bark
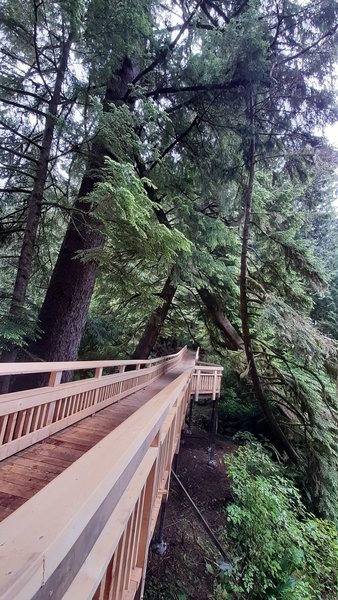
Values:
[(232, 338), (276, 431), (155, 322), (34, 205)]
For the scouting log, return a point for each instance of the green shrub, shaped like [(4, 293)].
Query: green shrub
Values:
[(279, 550), (236, 412)]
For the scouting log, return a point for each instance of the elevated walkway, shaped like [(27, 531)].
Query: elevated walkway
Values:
[(85, 467)]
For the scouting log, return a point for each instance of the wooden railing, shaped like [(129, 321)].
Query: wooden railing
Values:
[(32, 415), (86, 534), (207, 380)]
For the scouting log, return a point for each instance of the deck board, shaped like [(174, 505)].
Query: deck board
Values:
[(23, 475)]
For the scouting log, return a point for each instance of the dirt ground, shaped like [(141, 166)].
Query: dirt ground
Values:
[(189, 567)]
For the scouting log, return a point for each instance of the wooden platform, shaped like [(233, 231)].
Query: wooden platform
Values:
[(23, 475)]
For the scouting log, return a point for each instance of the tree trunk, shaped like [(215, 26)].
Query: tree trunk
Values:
[(232, 338), (34, 205), (155, 322), (276, 431)]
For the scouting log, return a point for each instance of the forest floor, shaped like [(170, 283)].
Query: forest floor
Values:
[(189, 567)]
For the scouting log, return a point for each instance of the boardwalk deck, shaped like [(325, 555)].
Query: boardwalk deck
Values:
[(27, 472)]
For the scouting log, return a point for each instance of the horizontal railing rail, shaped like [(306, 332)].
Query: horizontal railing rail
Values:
[(25, 368), (86, 534), (29, 416)]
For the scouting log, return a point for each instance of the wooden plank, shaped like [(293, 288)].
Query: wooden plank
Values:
[(10, 428), (52, 458), (17, 476), (129, 551), (4, 513), (134, 584), (26, 473), (10, 501), (76, 443), (4, 421), (22, 490)]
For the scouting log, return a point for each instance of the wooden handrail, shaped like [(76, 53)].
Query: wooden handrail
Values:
[(206, 364), (92, 524), (209, 369), (25, 368)]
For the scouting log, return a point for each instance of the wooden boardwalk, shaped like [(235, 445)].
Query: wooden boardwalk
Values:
[(85, 469), (27, 472)]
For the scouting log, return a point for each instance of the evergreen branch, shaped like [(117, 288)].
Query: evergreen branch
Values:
[(31, 109), (218, 10), (16, 169), (23, 92), (329, 33), (162, 55), (300, 261), (176, 141), (13, 190), (16, 132), (18, 154), (229, 85), (208, 15)]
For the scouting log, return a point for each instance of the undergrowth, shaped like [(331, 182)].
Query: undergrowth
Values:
[(280, 551)]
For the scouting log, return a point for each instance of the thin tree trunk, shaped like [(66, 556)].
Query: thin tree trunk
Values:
[(275, 429), (155, 322), (64, 311), (34, 204), (232, 338)]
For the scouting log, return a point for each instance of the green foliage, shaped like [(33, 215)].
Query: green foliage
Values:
[(14, 331), (237, 410), (279, 550), (112, 32), (170, 197), (138, 250)]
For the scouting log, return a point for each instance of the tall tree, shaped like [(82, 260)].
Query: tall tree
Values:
[(34, 202)]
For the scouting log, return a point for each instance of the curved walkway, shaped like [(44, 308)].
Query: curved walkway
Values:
[(26, 473)]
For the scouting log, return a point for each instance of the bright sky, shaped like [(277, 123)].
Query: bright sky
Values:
[(332, 134)]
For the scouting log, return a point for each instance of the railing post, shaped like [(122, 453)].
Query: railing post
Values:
[(97, 375), (122, 369), (214, 387), (197, 384), (138, 366), (190, 412), (159, 546), (142, 554), (54, 379)]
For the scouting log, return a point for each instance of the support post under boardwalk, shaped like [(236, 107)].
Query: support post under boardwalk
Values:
[(213, 432), (159, 546), (190, 413)]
